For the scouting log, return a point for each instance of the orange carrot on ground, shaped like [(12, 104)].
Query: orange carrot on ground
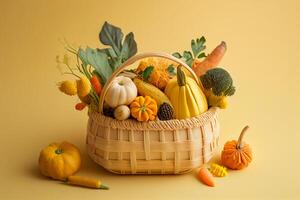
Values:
[(96, 84), (80, 106), (211, 61), (205, 177)]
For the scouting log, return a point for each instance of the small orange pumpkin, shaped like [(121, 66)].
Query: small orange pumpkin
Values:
[(237, 154), (143, 108)]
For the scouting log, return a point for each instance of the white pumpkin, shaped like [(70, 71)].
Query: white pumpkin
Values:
[(122, 112), (121, 92)]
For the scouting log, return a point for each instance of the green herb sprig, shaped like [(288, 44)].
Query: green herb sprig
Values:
[(198, 46)]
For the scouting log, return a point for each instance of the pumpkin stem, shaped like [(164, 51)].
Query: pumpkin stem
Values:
[(143, 108), (181, 77), (58, 151), (239, 143)]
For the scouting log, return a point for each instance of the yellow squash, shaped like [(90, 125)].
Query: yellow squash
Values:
[(147, 89), (186, 96), (59, 161)]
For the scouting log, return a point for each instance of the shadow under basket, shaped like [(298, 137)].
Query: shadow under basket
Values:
[(156, 147)]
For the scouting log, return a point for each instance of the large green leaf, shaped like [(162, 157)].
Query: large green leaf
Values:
[(112, 36), (108, 51), (99, 61), (129, 47), (82, 56), (113, 60)]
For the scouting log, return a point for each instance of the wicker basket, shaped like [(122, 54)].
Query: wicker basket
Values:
[(156, 147)]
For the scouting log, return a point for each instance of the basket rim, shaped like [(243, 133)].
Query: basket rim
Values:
[(131, 124)]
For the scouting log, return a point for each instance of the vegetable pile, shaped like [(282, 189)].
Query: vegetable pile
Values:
[(158, 89)]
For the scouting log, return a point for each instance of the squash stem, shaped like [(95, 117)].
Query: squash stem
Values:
[(240, 140), (181, 77)]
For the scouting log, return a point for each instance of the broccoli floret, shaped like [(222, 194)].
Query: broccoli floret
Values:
[(219, 81)]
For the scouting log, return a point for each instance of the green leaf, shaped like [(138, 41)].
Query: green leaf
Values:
[(177, 55), (108, 51), (112, 36), (188, 58), (198, 46), (201, 55), (146, 73), (171, 69), (99, 61), (82, 55), (115, 62), (119, 53), (129, 47)]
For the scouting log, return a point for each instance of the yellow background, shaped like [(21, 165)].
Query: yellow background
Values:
[(263, 40)]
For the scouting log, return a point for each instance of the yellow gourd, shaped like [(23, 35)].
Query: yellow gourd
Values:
[(59, 161), (147, 89), (186, 96), (143, 108), (83, 86), (68, 87), (218, 170)]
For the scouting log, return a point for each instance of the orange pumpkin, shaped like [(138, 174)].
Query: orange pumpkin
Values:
[(237, 154), (143, 108), (59, 161)]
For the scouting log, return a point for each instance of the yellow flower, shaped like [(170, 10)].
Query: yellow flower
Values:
[(83, 86), (66, 59), (68, 87)]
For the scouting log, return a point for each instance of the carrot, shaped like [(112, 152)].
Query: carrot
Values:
[(80, 106), (205, 177), (86, 182), (96, 84), (211, 61)]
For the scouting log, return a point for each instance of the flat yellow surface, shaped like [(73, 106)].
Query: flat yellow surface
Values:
[(263, 56)]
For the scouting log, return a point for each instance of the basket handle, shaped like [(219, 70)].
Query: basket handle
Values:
[(132, 60)]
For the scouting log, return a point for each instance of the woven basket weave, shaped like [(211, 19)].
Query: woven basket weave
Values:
[(155, 147)]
